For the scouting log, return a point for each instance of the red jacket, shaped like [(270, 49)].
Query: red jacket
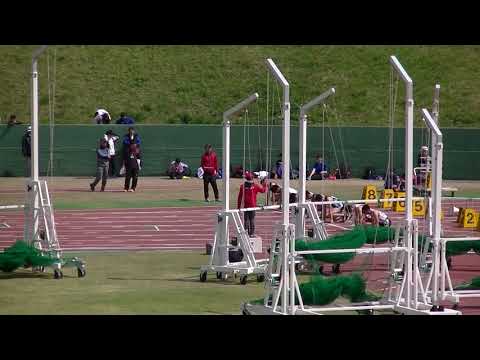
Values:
[(209, 163), (250, 195)]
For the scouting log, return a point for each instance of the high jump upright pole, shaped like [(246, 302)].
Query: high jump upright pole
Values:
[(437, 161), (34, 145), (302, 161), (286, 188), (223, 254), (408, 168)]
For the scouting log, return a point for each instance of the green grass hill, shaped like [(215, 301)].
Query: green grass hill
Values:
[(195, 84)]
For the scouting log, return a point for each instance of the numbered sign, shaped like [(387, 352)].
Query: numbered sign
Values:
[(369, 192), (387, 194), (418, 207), (429, 181), (470, 218), (399, 206)]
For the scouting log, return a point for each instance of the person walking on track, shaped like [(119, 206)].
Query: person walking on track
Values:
[(210, 171), (103, 158)]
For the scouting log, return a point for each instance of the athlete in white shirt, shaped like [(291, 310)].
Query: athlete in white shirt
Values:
[(111, 138)]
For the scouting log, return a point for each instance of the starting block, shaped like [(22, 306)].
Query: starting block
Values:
[(399, 206), (469, 218), (387, 194), (369, 192)]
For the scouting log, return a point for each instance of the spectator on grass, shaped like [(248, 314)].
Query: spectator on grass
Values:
[(27, 149), (101, 116), (103, 158), (111, 138), (13, 120), (178, 169), (210, 171), (133, 165), (319, 170), (125, 120)]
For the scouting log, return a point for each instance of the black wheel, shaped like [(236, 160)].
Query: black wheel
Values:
[(260, 278), (203, 276), (219, 275), (57, 274), (336, 269), (243, 279), (81, 272), (455, 307)]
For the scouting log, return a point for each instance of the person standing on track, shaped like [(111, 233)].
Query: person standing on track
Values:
[(103, 158), (248, 194), (210, 171), (132, 166), (111, 138)]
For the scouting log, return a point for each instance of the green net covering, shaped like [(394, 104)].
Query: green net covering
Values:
[(474, 284), (378, 235), (322, 290), (462, 247), (22, 254), (353, 239)]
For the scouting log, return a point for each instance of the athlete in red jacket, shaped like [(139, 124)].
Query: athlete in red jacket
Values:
[(248, 193), (210, 170)]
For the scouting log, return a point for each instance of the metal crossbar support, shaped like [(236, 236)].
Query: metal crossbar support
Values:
[(300, 216)]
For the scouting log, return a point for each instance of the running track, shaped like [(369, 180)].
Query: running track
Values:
[(192, 228)]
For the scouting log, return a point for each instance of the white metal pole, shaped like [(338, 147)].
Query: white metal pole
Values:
[(302, 123), (408, 167), (302, 162), (226, 172), (437, 158), (226, 191), (285, 184), (34, 145)]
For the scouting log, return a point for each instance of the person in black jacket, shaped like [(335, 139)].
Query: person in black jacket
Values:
[(132, 167), (27, 149)]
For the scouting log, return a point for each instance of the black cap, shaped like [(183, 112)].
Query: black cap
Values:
[(177, 160), (109, 132)]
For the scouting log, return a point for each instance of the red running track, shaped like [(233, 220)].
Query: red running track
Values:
[(192, 228)]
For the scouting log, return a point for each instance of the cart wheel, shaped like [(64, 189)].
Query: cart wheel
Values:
[(260, 278), (336, 269), (219, 275), (203, 276), (243, 279), (57, 274), (81, 272)]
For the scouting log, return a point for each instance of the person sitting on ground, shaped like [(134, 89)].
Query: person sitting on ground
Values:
[(103, 157), (178, 169), (101, 116), (133, 165), (125, 120), (27, 149), (277, 172), (319, 170), (364, 214), (247, 198), (13, 120), (276, 194), (111, 138)]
